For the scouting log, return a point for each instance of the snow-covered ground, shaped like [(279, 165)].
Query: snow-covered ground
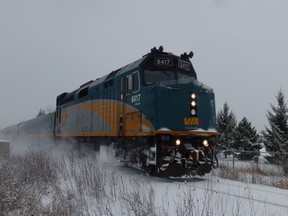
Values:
[(208, 195), (95, 185), (211, 195)]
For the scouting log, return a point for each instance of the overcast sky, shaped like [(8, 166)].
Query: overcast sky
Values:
[(51, 46)]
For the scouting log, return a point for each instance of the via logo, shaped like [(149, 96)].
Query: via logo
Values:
[(191, 121)]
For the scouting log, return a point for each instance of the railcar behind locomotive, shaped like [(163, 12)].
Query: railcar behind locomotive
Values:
[(154, 110)]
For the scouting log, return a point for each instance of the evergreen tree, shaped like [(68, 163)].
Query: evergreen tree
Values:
[(226, 123), (246, 140), (276, 136)]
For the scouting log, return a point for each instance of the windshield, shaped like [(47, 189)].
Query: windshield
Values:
[(152, 77)]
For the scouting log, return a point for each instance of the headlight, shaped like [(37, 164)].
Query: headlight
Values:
[(178, 142), (193, 104), (193, 95), (193, 112), (206, 143)]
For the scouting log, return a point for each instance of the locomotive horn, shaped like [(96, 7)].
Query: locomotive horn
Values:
[(187, 56), (191, 54), (153, 49)]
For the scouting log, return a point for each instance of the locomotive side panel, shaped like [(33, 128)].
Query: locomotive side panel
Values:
[(85, 117)]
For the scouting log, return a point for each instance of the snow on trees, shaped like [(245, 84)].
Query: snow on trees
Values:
[(226, 123), (246, 140), (276, 135), (240, 137)]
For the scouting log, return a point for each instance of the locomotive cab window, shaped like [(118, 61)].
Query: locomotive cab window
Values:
[(131, 83), (154, 77), (185, 75), (135, 82)]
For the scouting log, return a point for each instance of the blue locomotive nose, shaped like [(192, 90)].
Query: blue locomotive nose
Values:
[(184, 108)]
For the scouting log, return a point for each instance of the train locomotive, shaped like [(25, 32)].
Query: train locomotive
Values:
[(156, 113)]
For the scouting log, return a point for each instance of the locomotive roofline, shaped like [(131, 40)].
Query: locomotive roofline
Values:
[(130, 67)]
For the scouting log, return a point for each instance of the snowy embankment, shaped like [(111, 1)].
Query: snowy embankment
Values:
[(66, 181)]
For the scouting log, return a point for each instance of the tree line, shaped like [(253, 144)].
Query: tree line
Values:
[(243, 137)]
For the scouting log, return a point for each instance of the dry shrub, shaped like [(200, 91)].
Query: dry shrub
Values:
[(256, 175), (88, 184), (227, 172), (64, 203), (138, 199), (280, 183), (23, 181), (285, 169), (187, 203), (254, 169)]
